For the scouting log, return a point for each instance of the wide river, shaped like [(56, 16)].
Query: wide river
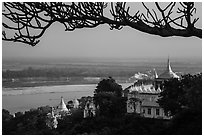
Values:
[(23, 99)]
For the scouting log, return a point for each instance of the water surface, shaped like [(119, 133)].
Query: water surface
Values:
[(22, 99)]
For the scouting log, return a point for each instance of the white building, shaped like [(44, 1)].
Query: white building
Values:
[(90, 109), (142, 99), (145, 104)]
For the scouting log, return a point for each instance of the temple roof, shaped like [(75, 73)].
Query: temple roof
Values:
[(144, 89), (168, 73)]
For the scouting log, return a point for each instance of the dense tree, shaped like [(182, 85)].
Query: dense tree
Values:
[(28, 21), (187, 122), (6, 118), (183, 99), (182, 94), (31, 122), (109, 85), (6, 115), (108, 96)]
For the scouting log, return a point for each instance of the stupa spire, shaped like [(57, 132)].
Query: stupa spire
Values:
[(168, 73), (169, 65)]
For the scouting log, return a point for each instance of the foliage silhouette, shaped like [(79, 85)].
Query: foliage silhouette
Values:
[(28, 21), (182, 94), (108, 98), (183, 99)]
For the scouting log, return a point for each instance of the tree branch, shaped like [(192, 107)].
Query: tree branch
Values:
[(29, 20)]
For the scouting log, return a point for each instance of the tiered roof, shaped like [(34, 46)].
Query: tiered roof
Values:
[(144, 89), (168, 73)]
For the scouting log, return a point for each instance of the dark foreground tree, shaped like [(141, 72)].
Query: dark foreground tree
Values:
[(26, 22), (183, 99), (31, 122), (6, 118), (108, 96), (183, 94)]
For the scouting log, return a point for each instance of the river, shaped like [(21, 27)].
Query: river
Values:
[(23, 99)]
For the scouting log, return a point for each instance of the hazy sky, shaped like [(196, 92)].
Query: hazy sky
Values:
[(103, 42)]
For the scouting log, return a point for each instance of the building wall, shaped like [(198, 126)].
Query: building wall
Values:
[(130, 107), (148, 108), (89, 113), (153, 112), (90, 109)]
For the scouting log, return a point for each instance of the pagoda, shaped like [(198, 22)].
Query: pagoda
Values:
[(62, 106), (166, 75)]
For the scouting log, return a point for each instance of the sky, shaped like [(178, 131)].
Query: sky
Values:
[(101, 42)]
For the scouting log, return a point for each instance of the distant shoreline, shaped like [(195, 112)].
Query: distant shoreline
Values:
[(43, 84), (36, 82)]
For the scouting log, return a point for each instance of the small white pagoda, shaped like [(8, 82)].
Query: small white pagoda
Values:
[(62, 106)]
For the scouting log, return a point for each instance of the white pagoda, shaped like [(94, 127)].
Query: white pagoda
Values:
[(62, 106)]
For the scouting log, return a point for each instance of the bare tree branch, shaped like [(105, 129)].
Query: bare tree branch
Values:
[(26, 22)]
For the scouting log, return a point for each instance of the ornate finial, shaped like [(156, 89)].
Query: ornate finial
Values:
[(169, 65)]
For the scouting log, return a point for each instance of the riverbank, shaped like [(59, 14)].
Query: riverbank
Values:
[(21, 84), (45, 81)]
